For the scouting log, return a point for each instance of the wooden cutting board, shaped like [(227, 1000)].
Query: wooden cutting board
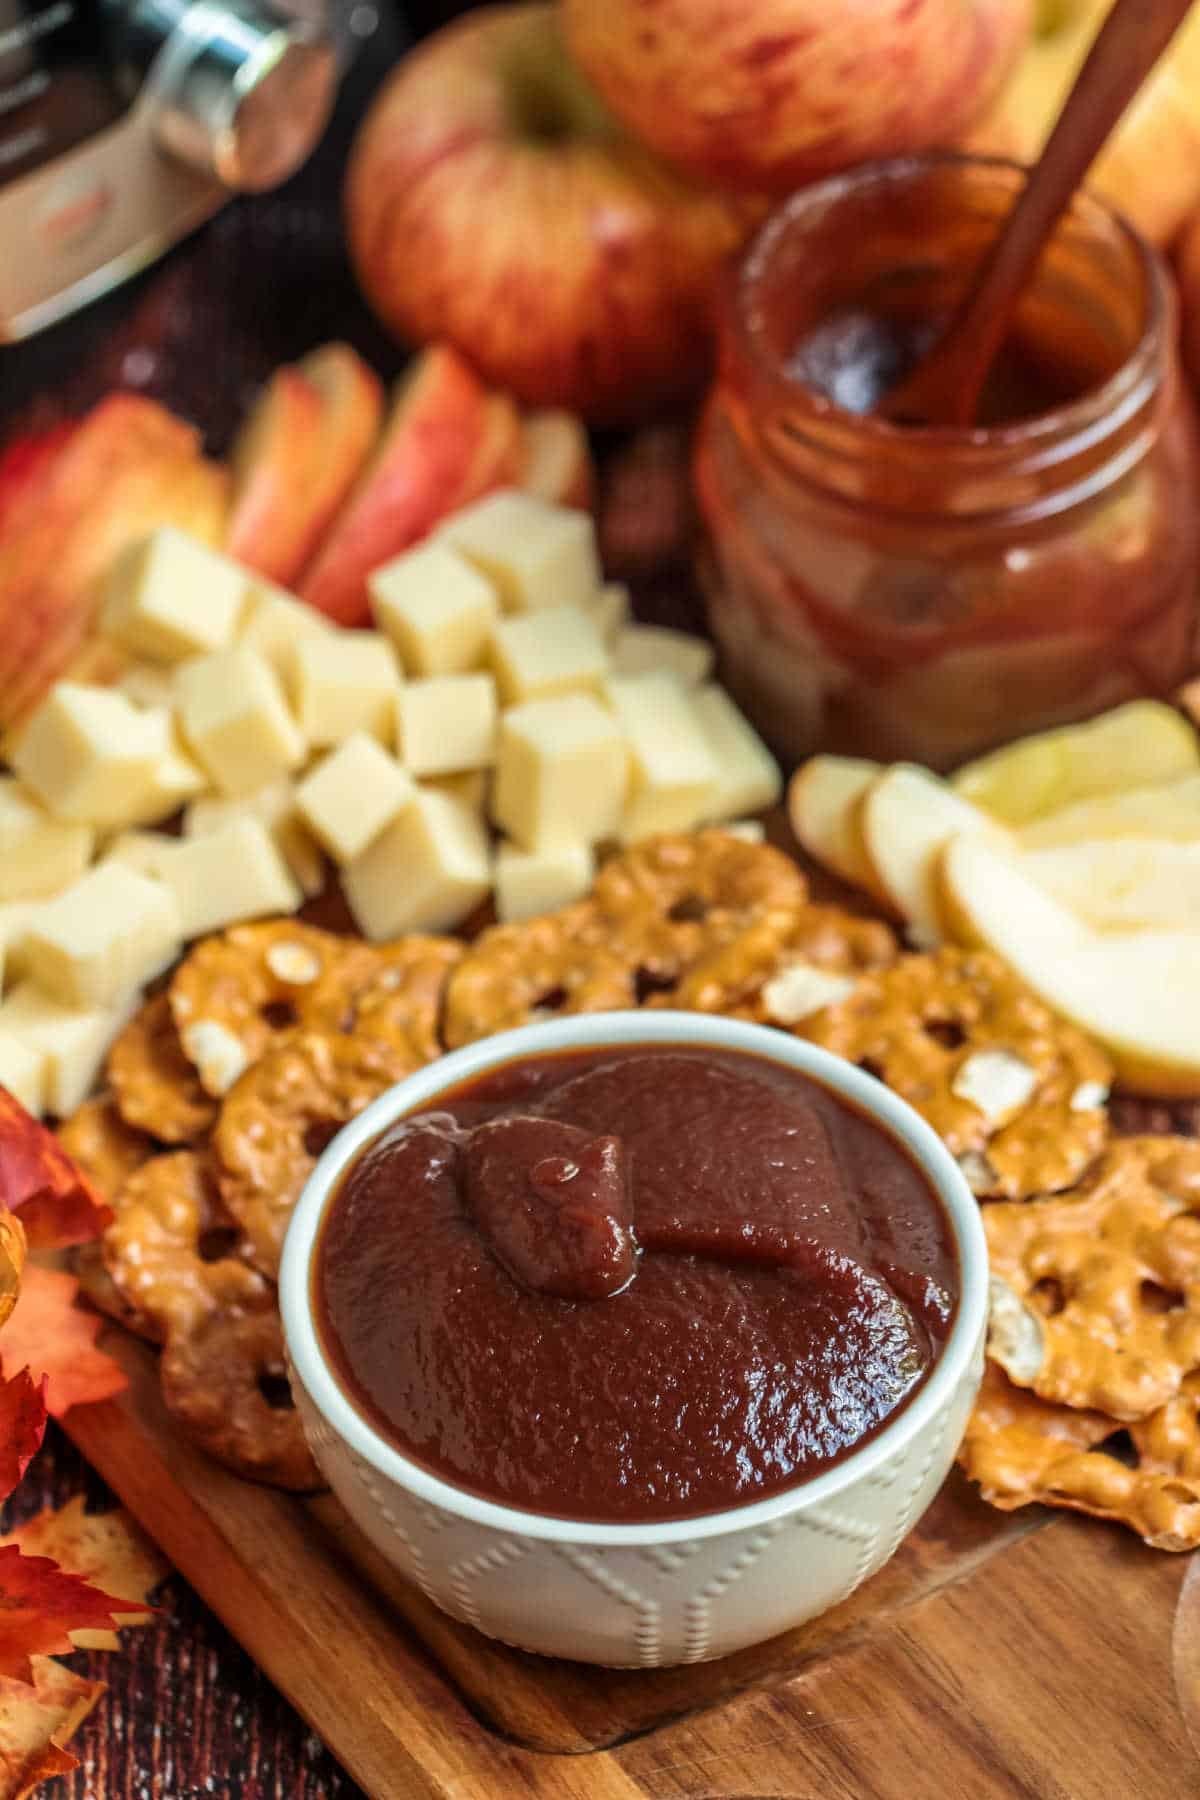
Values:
[(1029, 1655)]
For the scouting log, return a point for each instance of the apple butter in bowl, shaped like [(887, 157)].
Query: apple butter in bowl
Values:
[(597, 1308), (633, 1284)]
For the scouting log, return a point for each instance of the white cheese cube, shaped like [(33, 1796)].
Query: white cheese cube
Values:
[(547, 653), (139, 850), (170, 597), (535, 555), (426, 872), (89, 754), (749, 778), (349, 797), (174, 780), (656, 649), (562, 771), (74, 1042), (38, 854), (342, 682), (148, 685), (16, 917), (235, 720), (470, 788), (447, 724), (437, 609), (610, 609), (274, 621), (529, 882), (108, 933), (674, 776), (23, 1071), (227, 876), (274, 806)]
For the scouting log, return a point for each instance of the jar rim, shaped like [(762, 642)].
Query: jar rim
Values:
[(1115, 399)]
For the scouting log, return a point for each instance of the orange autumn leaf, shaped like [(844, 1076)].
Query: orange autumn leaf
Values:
[(49, 1334), (22, 1426), (41, 1604), (36, 1722), (106, 1549), (12, 1261), (55, 1202)]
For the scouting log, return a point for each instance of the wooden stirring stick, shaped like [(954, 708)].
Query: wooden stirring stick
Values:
[(945, 386)]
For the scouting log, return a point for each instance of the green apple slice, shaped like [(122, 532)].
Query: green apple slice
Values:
[(906, 817), (1144, 743), (1123, 883), (1171, 810), (823, 808), (1137, 992)]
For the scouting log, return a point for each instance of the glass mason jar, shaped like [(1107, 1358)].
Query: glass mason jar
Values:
[(900, 591)]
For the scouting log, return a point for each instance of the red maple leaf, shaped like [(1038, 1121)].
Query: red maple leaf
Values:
[(38, 1181), (22, 1425), (51, 1335), (40, 1604)]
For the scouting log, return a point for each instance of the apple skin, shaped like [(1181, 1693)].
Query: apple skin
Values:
[(125, 468), (492, 201), (762, 95), (1150, 168), (446, 441), (1189, 290)]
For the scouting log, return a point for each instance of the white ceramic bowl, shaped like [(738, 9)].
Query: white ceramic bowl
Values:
[(640, 1595)]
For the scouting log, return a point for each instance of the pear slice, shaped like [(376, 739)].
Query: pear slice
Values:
[(1137, 992), (1171, 810), (1143, 743), (822, 805), (1124, 883), (906, 818)]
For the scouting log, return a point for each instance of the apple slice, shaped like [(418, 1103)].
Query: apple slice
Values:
[(1171, 811), (297, 457), (127, 467), (273, 463), (1136, 745), (428, 455), (1137, 992), (906, 817), (822, 802), (1123, 884), (556, 460)]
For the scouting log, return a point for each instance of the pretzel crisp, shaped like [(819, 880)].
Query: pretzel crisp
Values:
[(169, 1248), (566, 962), (279, 1117), (1021, 1449), (224, 1379), (238, 993), (396, 990), (701, 877), (777, 970), (1100, 1295), (156, 1087), (104, 1145), (1016, 1093)]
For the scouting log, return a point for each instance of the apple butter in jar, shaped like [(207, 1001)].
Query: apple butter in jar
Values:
[(907, 591)]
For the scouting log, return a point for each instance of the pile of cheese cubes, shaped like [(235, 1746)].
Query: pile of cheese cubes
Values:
[(502, 720)]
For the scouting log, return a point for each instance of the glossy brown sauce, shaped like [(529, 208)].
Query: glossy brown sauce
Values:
[(636, 1284), (855, 356)]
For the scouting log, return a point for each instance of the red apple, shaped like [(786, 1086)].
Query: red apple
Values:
[(297, 457), (127, 467), (491, 200), (446, 440), (1189, 290), (556, 459), (763, 95), (1150, 167)]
